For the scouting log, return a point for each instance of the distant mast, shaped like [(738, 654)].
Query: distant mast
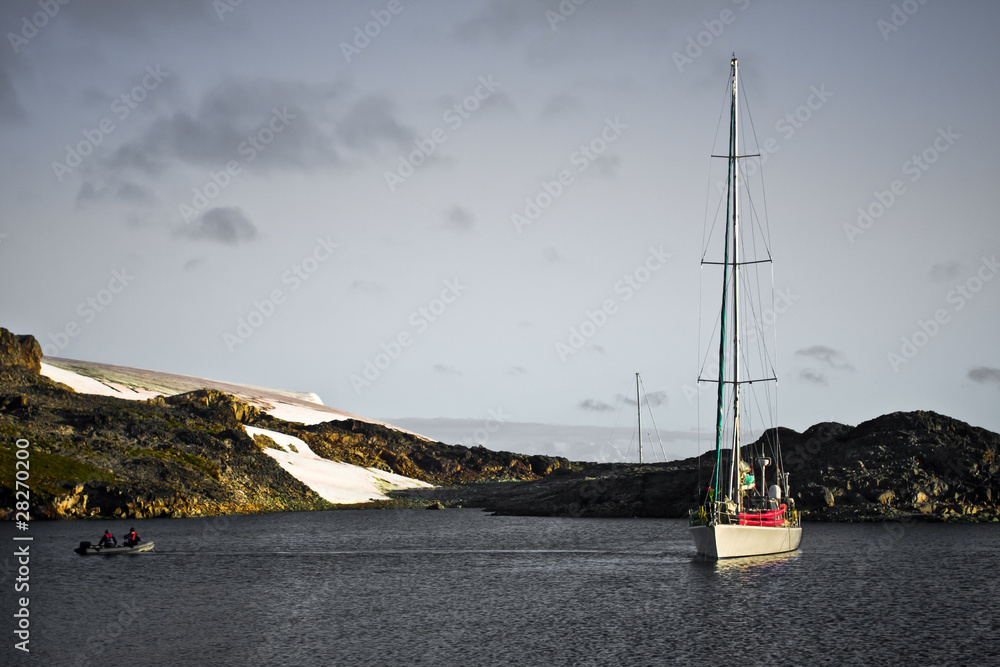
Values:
[(638, 408)]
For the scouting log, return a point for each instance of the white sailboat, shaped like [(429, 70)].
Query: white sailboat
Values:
[(746, 509)]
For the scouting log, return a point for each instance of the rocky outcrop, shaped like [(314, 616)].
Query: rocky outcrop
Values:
[(189, 455), (20, 351), (372, 445), (902, 465), (96, 456)]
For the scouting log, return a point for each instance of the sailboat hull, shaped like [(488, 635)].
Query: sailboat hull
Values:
[(733, 541)]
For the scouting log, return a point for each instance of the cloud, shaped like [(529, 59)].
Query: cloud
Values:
[(266, 123), (501, 21), (10, 106), (128, 192), (551, 256), (446, 370), (985, 375), (561, 105), (192, 264), (458, 218), (945, 271), (812, 376), (606, 164), (654, 399), (366, 286), (370, 123), (137, 19), (831, 357), (593, 405), (223, 224), (517, 370)]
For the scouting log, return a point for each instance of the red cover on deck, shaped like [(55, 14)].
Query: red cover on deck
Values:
[(769, 518)]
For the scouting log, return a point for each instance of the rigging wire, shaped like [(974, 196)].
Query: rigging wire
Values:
[(656, 430), (604, 451)]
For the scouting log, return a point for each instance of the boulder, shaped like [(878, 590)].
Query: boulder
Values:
[(23, 351)]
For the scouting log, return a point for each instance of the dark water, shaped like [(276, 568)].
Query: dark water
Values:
[(460, 587)]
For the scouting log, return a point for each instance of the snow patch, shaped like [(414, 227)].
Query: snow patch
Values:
[(335, 481)]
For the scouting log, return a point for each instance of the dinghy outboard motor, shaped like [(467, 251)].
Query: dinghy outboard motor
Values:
[(83, 547)]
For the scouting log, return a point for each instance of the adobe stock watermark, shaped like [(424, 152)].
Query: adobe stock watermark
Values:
[(88, 310), (419, 322), (294, 276), (786, 126), (493, 423), (900, 14), (783, 301), (363, 35), (697, 43), (122, 107), (223, 7), (454, 117), (627, 287), (581, 158), (97, 643), (958, 297), (562, 12), (915, 167), (38, 20), (255, 144)]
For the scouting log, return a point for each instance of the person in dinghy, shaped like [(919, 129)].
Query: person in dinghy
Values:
[(132, 538), (108, 540)]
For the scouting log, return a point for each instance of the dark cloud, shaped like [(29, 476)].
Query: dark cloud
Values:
[(223, 224), (370, 123), (985, 375), (459, 218), (594, 405), (829, 356), (125, 19), (654, 399), (812, 376), (267, 123)]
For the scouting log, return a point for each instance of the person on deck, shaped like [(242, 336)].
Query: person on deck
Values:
[(132, 538), (108, 540)]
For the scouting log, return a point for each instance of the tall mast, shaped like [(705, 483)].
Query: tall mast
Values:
[(736, 278), (638, 408), (720, 408), (734, 195)]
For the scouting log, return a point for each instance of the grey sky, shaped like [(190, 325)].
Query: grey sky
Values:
[(271, 196)]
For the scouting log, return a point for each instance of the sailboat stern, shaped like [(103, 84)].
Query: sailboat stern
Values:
[(735, 541)]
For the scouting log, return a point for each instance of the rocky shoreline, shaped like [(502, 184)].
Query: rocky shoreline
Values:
[(189, 455)]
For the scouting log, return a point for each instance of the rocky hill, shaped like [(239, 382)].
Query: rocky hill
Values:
[(898, 466), (189, 455)]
